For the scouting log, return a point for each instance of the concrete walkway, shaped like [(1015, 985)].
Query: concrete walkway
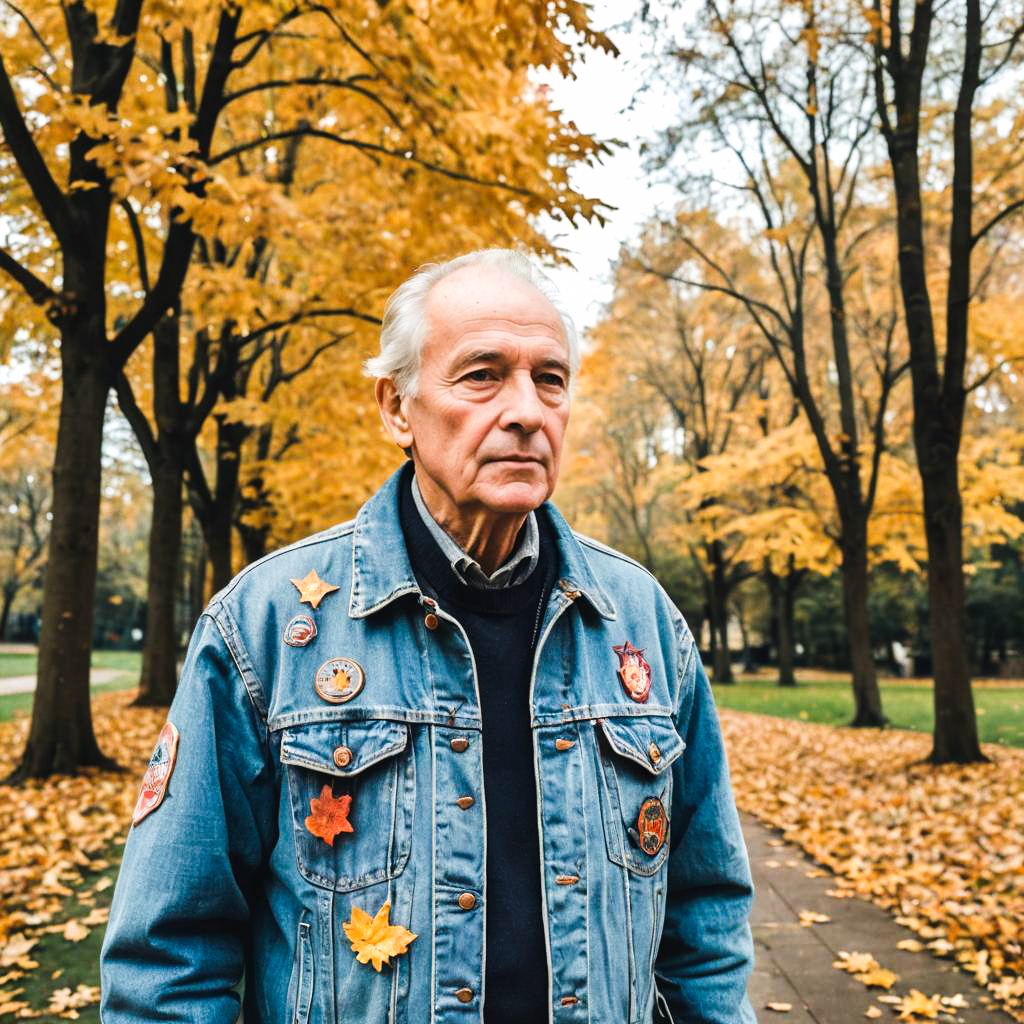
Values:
[(27, 684), (794, 963)]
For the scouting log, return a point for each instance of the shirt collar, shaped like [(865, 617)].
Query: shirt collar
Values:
[(381, 572), (517, 568)]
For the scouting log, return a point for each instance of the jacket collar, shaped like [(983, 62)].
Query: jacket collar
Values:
[(380, 564)]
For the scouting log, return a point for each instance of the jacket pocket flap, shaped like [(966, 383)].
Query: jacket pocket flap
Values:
[(343, 748), (649, 741)]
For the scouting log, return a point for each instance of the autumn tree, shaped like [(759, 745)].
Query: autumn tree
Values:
[(772, 89), (917, 57), (113, 145)]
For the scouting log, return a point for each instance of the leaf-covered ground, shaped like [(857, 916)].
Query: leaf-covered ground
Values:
[(59, 843), (941, 848)]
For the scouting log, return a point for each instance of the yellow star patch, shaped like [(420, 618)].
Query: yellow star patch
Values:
[(374, 938), (312, 589)]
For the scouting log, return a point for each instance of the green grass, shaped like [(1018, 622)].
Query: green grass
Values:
[(126, 663), (17, 664), (908, 705)]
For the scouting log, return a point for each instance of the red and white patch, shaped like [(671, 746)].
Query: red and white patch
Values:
[(158, 773), (634, 672)]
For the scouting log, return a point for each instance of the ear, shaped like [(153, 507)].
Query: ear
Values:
[(392, 412)]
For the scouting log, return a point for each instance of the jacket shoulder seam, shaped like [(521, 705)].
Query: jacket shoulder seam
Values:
[(330, 534)]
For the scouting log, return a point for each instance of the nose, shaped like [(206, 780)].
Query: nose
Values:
[(523, 409)]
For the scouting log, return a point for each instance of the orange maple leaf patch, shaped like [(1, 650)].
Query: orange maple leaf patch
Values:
[(374, 938), (329, 815)]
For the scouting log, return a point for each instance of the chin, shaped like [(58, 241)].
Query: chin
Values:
[(515, 499)]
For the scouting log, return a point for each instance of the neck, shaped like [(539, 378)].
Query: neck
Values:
[(486, 536)]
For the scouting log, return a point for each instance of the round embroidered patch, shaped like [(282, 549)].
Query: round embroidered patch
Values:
[(652, 825), (300, 631), (339, 680)]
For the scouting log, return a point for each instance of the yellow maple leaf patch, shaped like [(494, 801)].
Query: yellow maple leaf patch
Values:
[(375, 938)]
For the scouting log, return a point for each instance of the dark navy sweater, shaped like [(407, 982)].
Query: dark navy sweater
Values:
[(502, 625)]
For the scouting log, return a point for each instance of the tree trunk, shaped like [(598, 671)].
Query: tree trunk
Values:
[(955, 737), (254, 541), (866, 696), (5, 609), (160, 655), (197, 584), (165, 454), (787, 600), (719, 606), (61, 736)]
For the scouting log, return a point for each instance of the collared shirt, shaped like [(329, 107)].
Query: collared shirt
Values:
[(520, 564)]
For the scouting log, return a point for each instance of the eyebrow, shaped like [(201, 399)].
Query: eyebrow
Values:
[(493, 356)]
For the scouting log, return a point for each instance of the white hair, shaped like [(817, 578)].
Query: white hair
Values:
[(404, 328)]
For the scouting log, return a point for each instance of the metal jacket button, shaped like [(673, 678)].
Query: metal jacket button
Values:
[(464, 995), (467, 901), (431, 621), (459, 744), (342, 757), (563, 744), (465, 802), (655, 752)]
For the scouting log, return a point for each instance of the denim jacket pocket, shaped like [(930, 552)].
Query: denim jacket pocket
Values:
[(635, 754), (370, 762)]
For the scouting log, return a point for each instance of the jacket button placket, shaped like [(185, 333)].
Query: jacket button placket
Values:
[(458, 841), (565, 868)]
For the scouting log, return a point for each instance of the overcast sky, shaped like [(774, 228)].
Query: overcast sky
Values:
[(603, 100)]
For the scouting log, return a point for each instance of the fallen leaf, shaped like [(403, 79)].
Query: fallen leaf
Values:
[(329, 815), (917, 1004), (779, 1007), (809, 917), (75, 931), (878, 978), (873, 1012), (910, 945), (956, 1002), (374, 938), (855, 963)]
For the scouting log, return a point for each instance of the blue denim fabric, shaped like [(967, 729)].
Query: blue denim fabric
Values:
[(224, 880)]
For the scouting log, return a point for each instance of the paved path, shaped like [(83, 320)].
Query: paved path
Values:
[(794, 963), (26, 684)]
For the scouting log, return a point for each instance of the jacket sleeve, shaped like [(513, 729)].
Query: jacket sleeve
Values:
[(173, 949), (706, 951)]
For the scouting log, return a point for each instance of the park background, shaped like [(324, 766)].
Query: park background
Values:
[(792, 233)]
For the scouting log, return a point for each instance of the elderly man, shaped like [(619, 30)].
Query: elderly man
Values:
[(450, 761)]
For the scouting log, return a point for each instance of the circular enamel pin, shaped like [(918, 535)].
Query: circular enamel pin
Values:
[(300, 631), (652, 825), (339, 680)]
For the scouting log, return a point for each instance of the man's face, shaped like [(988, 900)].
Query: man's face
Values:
[(487, 423)]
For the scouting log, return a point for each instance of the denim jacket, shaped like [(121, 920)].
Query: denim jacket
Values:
[(225, 880)]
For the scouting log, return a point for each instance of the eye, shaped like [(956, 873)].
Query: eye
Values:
[(481, 376), (551, 380)]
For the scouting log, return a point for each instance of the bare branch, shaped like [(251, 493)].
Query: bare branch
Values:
[(140, 247), (369, 147), (37, 290), (18, 139), (1005, 212), (137, 419)]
